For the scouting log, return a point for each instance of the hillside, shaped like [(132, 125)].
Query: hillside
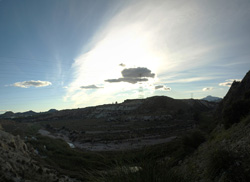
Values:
[(157, 105), (18, 163), (225, 156), (152, 139)]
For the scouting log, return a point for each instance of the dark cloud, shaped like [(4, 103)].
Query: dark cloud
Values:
[(129, 80), (137, 73), (90, 87), (162, 87), (32, 83), (158, 87), (122, 65), (133, 75)]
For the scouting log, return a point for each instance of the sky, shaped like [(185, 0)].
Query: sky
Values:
[(67, 54)]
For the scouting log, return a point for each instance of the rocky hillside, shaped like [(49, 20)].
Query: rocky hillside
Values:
[(225, 156), (157, 105), (17, 163), (238, 91)]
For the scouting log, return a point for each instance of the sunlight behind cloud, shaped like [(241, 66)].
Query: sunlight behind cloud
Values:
[(145, 34)]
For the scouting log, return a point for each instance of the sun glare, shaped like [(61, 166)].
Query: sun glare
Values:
[(130, 46)]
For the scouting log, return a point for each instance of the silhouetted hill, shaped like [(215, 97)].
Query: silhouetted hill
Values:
[(7, 114), (157, 105), (161, 104), (12, 115), (51, 111), (212, 98)]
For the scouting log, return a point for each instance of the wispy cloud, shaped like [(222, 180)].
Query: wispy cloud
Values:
[(129, 80), (32, 83), (207, 89), (229, 82), (90, 87), (149, 34), (4, 110), (187, 80)]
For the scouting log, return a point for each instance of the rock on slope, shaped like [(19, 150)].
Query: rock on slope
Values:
[(16, 163)]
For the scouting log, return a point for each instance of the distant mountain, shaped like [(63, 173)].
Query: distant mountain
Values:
[(10, 114), (51, 111), (212, 98)]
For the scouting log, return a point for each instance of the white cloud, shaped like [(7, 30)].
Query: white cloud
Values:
[(207, 89), (229, 82), (90, 87), (32, 83)]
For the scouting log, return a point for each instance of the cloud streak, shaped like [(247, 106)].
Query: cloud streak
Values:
[(129, 80), (31, 83), (90, 87), (4, 110), (207, 89)]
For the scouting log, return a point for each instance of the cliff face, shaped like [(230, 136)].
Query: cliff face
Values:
[(238, 91)]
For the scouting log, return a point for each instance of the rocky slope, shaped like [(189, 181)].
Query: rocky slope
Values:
[(237, 91), (225, 157), (17, 163)]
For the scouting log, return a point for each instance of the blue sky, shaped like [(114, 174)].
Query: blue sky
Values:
[(77, 53)]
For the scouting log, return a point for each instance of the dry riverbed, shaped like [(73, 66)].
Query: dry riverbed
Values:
[(115, 145)]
